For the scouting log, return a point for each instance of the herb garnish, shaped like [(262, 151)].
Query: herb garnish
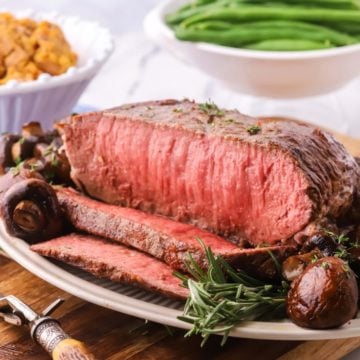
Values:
[(275, 260), (54, 161), (253, 130), (52, 152), (211, 109), (314, 258), (221, 297), (325, 265), (16, 169), (18, 160), (343, 245), (49, 150), (346, 267), (33, 167)]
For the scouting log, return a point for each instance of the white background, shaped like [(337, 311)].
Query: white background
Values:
[(138, 70)]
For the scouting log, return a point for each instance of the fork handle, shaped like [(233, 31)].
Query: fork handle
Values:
[(48, 333), (71, 349)]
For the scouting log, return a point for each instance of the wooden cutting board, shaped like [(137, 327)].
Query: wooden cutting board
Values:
[(115, 336)]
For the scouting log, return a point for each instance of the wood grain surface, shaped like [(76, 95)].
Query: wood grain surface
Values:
[(114, 336)]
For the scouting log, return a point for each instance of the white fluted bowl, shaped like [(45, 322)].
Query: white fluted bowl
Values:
[(52, 97)]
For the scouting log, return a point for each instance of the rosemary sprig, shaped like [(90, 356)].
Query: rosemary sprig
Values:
[(222, 297)]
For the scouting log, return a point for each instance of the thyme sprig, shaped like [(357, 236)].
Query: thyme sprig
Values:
[(51, 152), (221, 297), (344, 244), (17, 168)]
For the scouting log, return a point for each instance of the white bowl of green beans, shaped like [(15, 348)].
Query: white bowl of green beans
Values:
[(278, 48)]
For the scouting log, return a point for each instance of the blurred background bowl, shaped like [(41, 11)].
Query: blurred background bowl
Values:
[(260, 73), (52, 97)]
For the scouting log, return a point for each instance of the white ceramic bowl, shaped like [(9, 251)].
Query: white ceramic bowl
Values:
[(52, 97), (260, 73)]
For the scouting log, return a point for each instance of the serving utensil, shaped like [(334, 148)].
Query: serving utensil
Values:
[(44, 330)]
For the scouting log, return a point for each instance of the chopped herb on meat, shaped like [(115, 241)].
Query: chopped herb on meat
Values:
[(253, 130)]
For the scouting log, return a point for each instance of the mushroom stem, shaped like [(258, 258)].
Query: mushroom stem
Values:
[(28, 216)]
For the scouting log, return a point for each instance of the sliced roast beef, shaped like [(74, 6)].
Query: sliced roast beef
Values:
[(167, 240), (115, 262), (240, 177)]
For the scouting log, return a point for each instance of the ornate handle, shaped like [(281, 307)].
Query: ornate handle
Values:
[(48, 333), (71, 349)]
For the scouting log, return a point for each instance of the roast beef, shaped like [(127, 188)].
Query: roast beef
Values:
[(167, 240), (240, 177), (115, 262)]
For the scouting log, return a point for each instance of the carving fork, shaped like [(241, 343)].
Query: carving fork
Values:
[(44, 330)]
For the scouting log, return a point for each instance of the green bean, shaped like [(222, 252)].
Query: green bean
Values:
[(288, 45), (333, 4), (191, 10), (188, 11), (243, 35), (198, 7), (202, 2), (264, 24), (284, 24), (343, 28), (269, 24), (213, 25), (265, 13), (349, 28)]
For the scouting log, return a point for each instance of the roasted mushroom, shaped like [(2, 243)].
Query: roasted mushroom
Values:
[(32, 136), (22, 149), (40, 150), (324, 296), (32, 130), (294, 265), (31, 211), (6, 143), (16, 174), (56, 167), (325, 243)]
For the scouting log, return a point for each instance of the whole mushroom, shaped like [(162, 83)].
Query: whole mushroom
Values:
[(324, 296), (6, 143), (31, 211)]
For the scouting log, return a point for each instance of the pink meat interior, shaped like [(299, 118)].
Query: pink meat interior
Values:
[(210, 181), (113, 261)]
